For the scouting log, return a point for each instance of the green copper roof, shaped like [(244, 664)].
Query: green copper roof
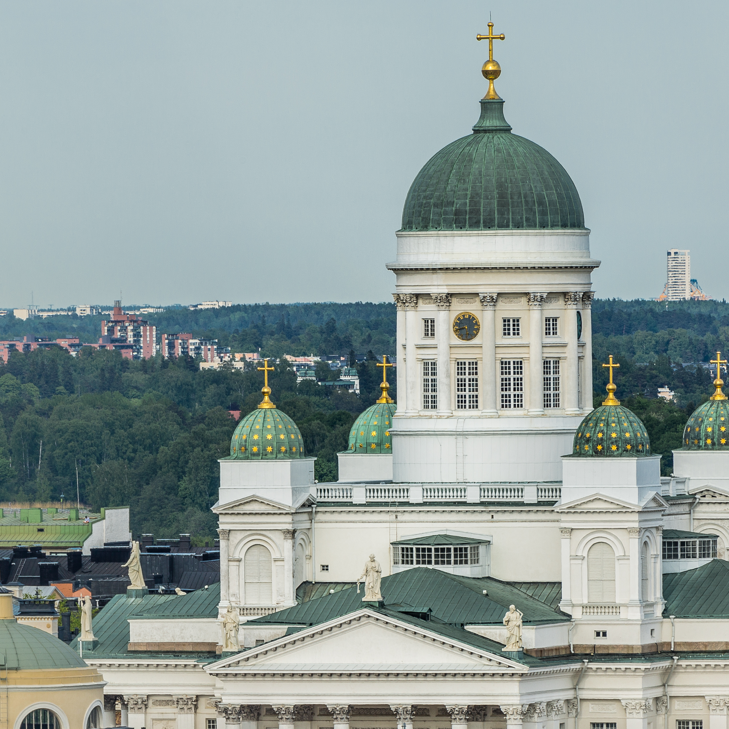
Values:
[(371, 431), (492, 180), (706, 429), (699, 593), (265, 434), (31, 649), (611, 430), (680, 534), (443, 539)]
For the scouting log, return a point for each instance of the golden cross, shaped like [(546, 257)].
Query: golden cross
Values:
[(384, 386), (265, 369), (611, 366), (611, 399), (718, 382), (384, 364), (491, 38)]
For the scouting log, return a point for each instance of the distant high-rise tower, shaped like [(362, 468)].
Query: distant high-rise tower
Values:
[(678, 283)]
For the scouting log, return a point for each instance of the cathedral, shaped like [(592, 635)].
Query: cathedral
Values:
[(496, 553)]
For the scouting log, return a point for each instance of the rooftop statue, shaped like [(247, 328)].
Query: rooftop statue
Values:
[(372, 576)]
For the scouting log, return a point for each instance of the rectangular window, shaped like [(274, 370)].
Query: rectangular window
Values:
[(430, 385), (467, 385), (670, 550), (688, 549), (512, 383), (511, 327), (475, 554), (441, 555), (550, 326), (428, 328), (551, 383), (460, 555), (689, 724), (211, 724), (404, 555), (707, 548), (601, 633), (324, 568), (603, 725), (423, 555)]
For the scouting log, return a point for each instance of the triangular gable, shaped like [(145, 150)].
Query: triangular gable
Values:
[(654, 501), (250, 503), (365, 638), (708, 492), (597, 502)]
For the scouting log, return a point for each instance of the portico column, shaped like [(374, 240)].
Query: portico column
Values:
[(285, 716), (232, 715), (402, 396), (443, 337), (572, 302), (536, 371), (288, 535), (488, 366), (186, 711), (404, 715), (514, 714), (136, 706), (124, 711), (718, 706), (587, 298), (340, 713), (224, 535), (410, 302), (636, 713), (110, 710), (459, 716)]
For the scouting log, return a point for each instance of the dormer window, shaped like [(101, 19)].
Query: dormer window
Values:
[(687, 550), (451, 553)]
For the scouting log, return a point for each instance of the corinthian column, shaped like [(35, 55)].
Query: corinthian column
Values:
[(185, 711), (404, 714), (443, 336), (412, 400), (285, 716), (136, 706), (340, 714), (288, 535), (514, 714), (400, 373), (224, 535), (717, 711), (488, 366), (536, 373), (459, 716), (572, 303), (587, 298)]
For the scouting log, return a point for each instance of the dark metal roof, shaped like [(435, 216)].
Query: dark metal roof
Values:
[(699, 593), (443, 539), (678, 534)]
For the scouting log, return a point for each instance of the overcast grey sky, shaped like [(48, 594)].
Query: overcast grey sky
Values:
[(180, 150)]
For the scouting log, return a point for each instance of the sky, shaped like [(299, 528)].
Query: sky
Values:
[(175, 151)]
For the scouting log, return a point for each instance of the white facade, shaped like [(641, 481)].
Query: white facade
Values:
[(678, 281)]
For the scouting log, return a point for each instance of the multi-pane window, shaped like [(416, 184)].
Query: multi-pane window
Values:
[(441, 555), (511, 327), (428, 328), (460, 555), (689, 724), (438, 556), (402, 555), (41, 719), (670, 550), (512, 383), (423, 555), (603, 725), (707, 549), (211, 724), (689, 549), (467, 385), (551, 383), (430, 384), (550, 326)]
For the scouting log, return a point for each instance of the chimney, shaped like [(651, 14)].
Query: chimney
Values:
[(185, 543), (74, 560), (48, 572), (147, 540), (64, 632)]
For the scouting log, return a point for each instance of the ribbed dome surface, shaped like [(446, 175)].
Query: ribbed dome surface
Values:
[(492, 180), (31, 649), (611, 430), (707, 427), (266, 434), (371, 431)]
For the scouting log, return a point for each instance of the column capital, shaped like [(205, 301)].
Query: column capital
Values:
[(555, 708), (573, 299), (514, 713), (536, 711), (661, 704), (135, 703), (637, 709), (565, 531), (634, 532), (403, 712), (536, 299), (571, 705), (224, 534), (288, 533), (459, 714), (285, 714), (488, 301), (587, 298), (185, 704), (406, 301), (340, 713), (442, 301), (717, 704), (230, 712)]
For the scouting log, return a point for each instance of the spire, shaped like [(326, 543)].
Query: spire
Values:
[(611, 399), (384, 385), (266, 390), (491, 69), (718, 382)]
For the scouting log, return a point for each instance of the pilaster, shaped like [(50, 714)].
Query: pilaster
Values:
[(587, 298), (404, 715), (285, 716), (232, 715), (718, 711), (555, 711), (136, 708), (288, 550), (224, 535), (488, 366), (459, 716), (400, 373), (410, 304), (636, 713), (340, 714), (110, 702), (566, 550), (536, 373), (572, 303), (514, 714), (185, 711), (443, 337)]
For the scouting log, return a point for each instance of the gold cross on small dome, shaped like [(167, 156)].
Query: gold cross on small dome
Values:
[(718, 382), (491, 69), (266, 402), (611, 399), (384, 385)]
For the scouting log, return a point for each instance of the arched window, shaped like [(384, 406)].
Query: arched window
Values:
[(645, 580), (299, 565), (601, 573), (257, 576), (41, 719), (94, 720)]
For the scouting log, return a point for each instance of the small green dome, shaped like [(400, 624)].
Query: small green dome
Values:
[(611, 430), (30, 649), (265, 434), (371, 431), (492, 180), (707, 427)]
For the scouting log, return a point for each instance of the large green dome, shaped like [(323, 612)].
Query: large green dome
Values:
[(492, 180), (371, 431), (266, 434)]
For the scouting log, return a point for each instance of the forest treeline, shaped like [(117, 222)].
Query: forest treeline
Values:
[(148, 434)]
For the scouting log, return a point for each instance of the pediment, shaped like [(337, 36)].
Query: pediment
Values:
[(365, 641), (598, 502), (705, 493), (251, 503)]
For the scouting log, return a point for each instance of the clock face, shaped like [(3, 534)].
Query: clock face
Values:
[(466, 326)]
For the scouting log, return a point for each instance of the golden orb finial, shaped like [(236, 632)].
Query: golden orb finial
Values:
[(266, 390), (384, 385), (718, 382), (611, 399), (491, 69)]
